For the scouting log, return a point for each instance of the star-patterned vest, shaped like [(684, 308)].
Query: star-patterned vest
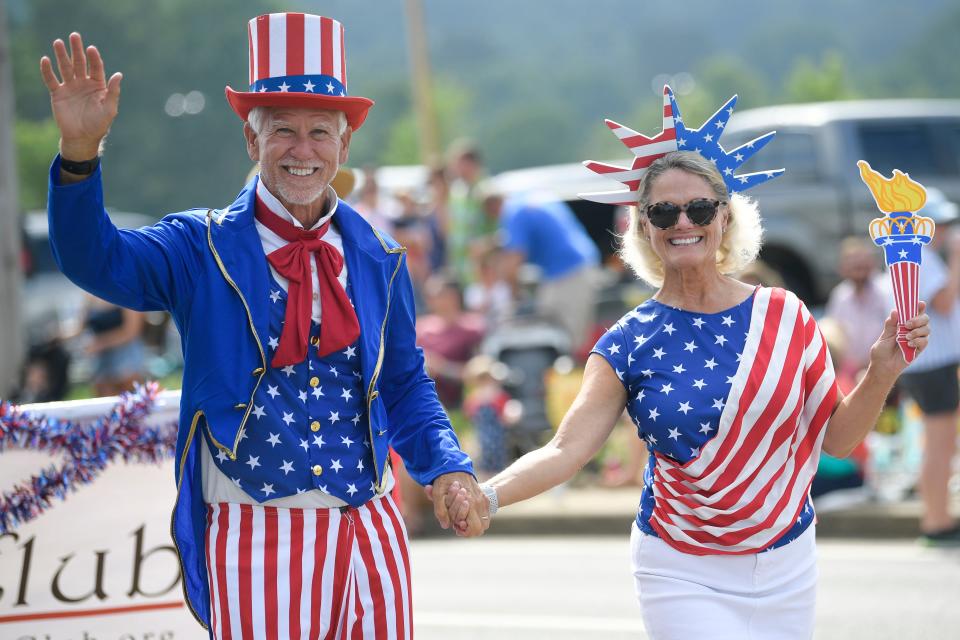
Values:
[(311, 425)]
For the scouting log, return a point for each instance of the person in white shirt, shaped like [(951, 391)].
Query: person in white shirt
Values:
[(931, 379)]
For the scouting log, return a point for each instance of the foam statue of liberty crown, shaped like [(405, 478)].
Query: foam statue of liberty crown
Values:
[(677, 137)]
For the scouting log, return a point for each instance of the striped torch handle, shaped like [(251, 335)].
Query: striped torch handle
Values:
[(905, 276)]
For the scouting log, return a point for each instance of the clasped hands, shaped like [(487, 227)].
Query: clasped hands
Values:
[(459, 502)]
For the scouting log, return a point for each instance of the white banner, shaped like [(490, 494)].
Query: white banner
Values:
[(99, 565)]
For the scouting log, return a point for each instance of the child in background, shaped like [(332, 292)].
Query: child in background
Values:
[(490, 294), (839, 473), (487, 407)]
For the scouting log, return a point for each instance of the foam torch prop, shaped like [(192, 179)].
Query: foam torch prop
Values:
[(901, 233)]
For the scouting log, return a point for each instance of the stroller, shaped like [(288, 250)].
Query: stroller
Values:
[(528, 345)]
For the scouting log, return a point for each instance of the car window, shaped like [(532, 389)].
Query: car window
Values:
[(39, 255), (952, 142), (795, 151), (906, 145)]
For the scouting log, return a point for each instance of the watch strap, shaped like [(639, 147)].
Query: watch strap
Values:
[(82, 168), (493, 500)]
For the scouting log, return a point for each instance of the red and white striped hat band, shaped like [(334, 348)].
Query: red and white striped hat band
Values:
[(298, 60)]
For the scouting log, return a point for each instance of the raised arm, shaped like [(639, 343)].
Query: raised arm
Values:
[(146, 269), (857, 413), (84, 103)]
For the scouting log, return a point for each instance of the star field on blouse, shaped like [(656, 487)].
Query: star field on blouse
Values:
[(684, 356)]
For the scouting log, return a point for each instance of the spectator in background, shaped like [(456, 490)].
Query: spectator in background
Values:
[(486, 406), (543, 231), (467, 222), (859, 304), (411, 229), (449, 337), (760, 273), (490, 295), (931, 379), (840, 473), (368, 202), (438, 216), (45, 375), (116, 346)]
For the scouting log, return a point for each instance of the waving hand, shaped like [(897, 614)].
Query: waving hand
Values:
[(84, 102)]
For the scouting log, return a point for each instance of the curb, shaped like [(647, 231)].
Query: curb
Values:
[(594, 511)]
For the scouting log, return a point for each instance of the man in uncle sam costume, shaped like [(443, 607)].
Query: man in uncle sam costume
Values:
[(297, 321)]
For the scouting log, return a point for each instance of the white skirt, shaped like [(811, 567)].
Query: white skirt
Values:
[(763, 596)]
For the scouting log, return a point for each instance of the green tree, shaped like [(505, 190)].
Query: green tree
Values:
[(36, 144), (927, 66), (532, 133), (451, 103), (724, 75), (809, 82), (154, 162)]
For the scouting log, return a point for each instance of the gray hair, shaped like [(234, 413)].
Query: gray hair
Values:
[(739, 244), (258, 116)]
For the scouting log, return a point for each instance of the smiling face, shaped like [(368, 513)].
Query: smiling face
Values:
[(299, 151), (685, 245)]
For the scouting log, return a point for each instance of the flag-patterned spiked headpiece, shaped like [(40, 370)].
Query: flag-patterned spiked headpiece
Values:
[(298, 60), (677, 137)]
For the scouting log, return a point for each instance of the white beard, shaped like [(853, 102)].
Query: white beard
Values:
[(300, 196)]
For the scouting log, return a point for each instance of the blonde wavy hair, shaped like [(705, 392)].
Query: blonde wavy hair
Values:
[(739, 244)]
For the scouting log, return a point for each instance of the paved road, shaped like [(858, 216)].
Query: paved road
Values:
[(580, 587)]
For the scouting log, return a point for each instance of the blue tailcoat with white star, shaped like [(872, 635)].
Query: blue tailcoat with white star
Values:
[(208, 269)]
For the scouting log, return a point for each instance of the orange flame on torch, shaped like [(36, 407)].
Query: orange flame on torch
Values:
[(898, 193)]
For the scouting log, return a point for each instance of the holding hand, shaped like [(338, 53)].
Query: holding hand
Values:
[(885, 354), (458, 501), (84, 103)]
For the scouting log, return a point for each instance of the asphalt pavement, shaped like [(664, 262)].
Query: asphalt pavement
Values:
[(562, 588)]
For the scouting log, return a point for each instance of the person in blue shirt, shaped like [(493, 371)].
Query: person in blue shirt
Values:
[(541, 230), (301, 368)]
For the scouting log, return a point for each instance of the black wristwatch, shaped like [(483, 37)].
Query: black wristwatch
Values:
[(84, 168)]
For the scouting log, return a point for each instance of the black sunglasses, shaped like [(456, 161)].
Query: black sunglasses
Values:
[(701, 212)]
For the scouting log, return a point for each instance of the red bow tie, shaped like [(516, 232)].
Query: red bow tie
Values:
[(339, 328)]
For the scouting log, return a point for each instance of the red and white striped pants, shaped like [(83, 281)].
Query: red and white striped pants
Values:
[(308, 573)]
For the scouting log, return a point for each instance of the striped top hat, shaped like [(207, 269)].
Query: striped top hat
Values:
[(298, 60)]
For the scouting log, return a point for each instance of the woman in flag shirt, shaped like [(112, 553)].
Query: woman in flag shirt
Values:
[(734, 393)]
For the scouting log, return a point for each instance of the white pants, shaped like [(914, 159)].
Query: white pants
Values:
[(763, 596)]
